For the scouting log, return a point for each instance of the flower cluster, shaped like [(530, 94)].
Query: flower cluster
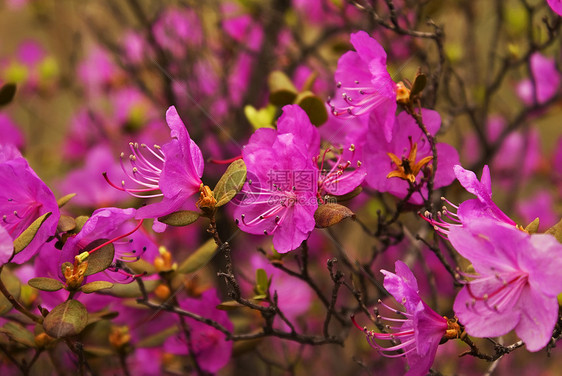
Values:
[(236, 173)]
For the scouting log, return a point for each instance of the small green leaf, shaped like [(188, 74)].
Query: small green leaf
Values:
[(88, 288), (7, 93), (313, 106), (131, 290), (80, 221), (229, 305), (66, 319), (329, 214), (66, 223), (28, 234), (13, 285), (159, 338), (142, 266), (262, 284), (262, 118), (180, 218), (18, 333), (533, 227), (281, 89), (199, 258), (230, 183), (556, 230), (419, 84), (98, 351), (63, 200), (310, 80), (46, 284), (100, 259)]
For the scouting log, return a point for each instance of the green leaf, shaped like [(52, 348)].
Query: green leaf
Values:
[(18, 333), (88, 288), (7, 93), (131, 290), (313, 106), (229, 305), (330, 214), (98, 351), (533, 227), (262, 118), (66, 319), (63, 200), (80, 221), (159, 338), (180, 218), (199, 258), (13, 285), (419, 84), (66, 223), (556, 230), (230, 183), (262, 284), (281, 89), (142, 266), (100, 259), (28, 234), (46, 284)]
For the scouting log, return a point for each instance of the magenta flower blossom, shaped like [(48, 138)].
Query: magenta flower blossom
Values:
[(280, 196), (97, 71), (391, 164), (547, 80), (419, 332), (555, 5), (285, 181), (110, 224), (172, 171), (480, 207), (24, 198), (176, 29), (517, 282), (275, 204), (364, 85)]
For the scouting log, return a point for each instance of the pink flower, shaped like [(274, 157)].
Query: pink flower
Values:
[(546, 77), (24, 198), (285, 183), (172, 171), (363, 85), (480, 207), (391, 164), (419, 332), (281, 192), (517, 281)]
